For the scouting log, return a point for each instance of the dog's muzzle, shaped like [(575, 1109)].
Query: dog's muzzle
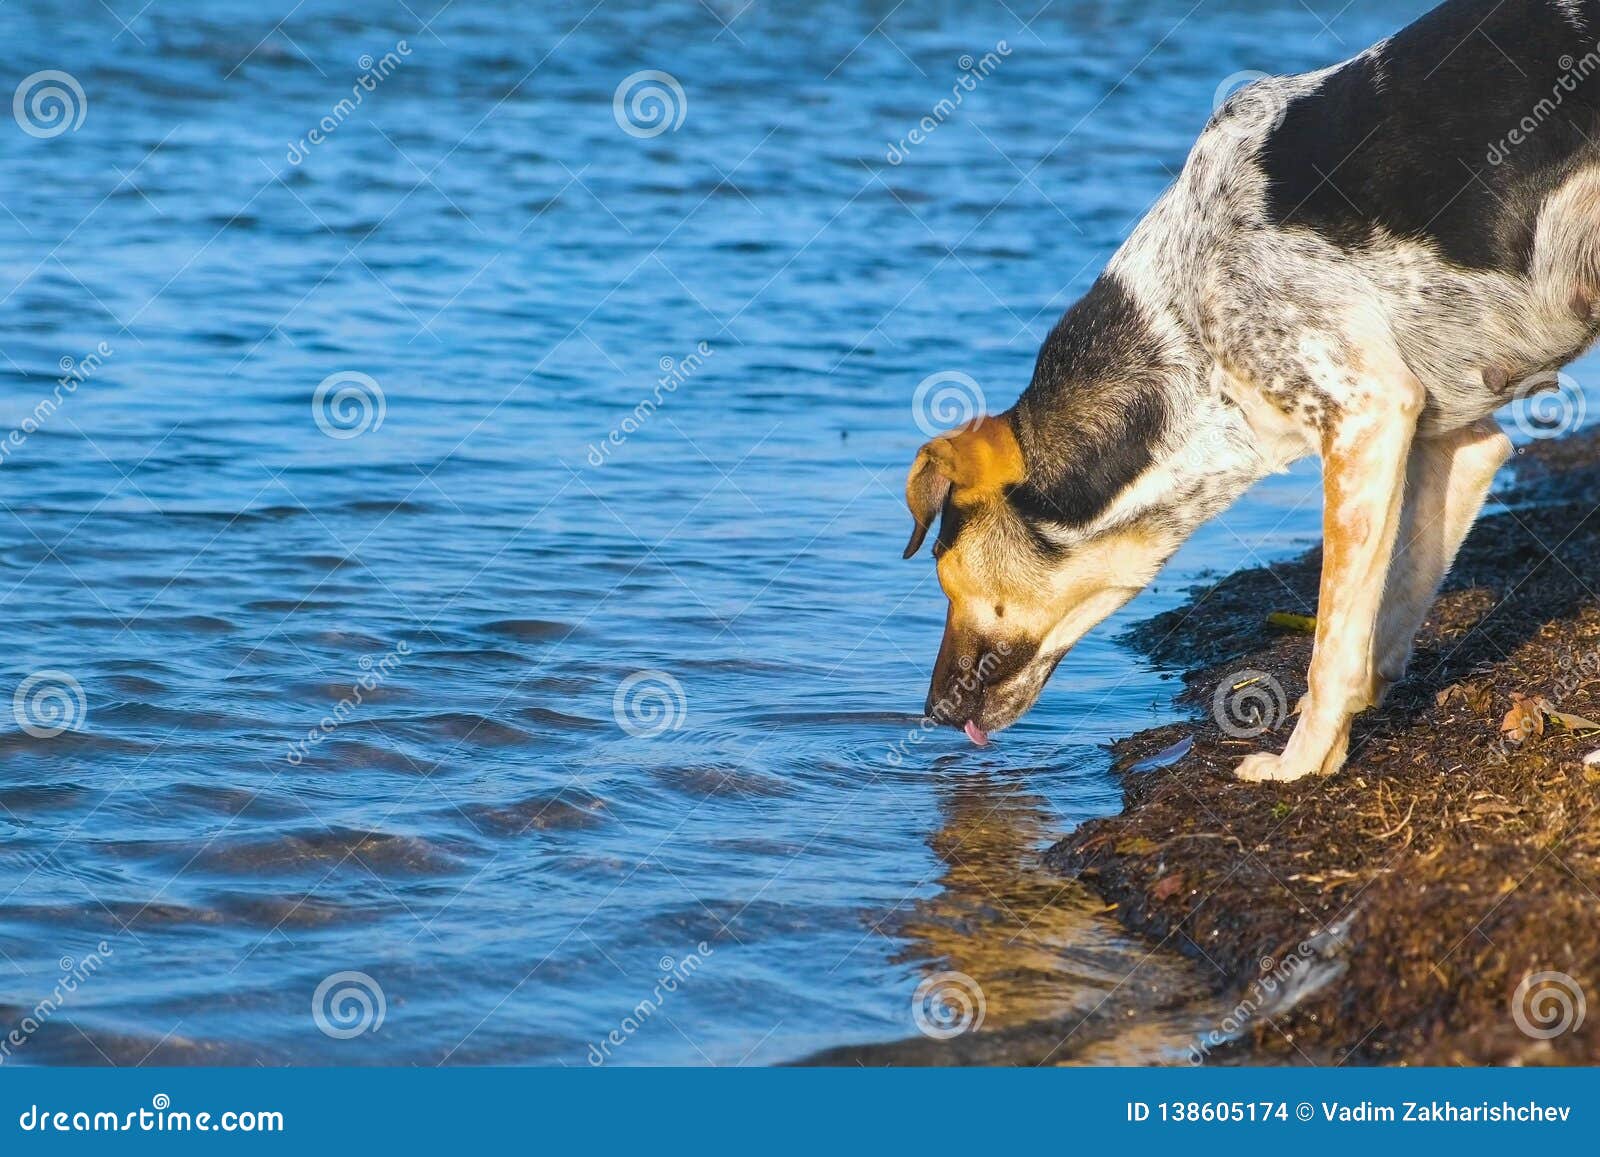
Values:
[(967, 691)]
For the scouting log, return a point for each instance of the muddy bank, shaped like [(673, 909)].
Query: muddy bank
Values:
[(1451, 866)]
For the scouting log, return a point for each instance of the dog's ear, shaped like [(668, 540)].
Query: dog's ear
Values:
[(981, 459), (927, 486)]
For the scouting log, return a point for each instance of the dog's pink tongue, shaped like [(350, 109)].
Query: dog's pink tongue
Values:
[(977, 734)]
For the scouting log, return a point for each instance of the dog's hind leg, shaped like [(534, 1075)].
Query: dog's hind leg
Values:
[(1366, 445), (1447, 480)]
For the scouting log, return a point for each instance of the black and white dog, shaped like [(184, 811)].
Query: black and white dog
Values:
[(1361, 263)]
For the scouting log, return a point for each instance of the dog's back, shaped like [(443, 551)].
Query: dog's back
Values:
[(1507, 91), (1448, 177)]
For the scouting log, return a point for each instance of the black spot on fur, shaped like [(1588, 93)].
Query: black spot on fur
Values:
[(951, 521), (1094, 415), (1418, 137)]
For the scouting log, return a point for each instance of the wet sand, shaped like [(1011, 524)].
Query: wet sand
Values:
[(1402, 911)]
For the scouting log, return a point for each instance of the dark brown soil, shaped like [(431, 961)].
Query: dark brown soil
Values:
[(1461, 863)]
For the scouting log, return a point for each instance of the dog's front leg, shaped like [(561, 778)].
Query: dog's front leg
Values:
[(1447, 481), (1364, 455)]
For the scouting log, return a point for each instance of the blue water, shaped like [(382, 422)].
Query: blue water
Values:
[(198, 573)]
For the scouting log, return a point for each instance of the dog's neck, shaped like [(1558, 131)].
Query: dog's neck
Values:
[(1123, 420)]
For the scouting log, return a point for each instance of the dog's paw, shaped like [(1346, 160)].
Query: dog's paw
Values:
[(1264, 767)]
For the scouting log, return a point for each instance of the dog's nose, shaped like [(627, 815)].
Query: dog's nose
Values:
[(951, 703)]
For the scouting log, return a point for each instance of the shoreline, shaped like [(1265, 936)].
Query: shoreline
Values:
[(1436, 902)]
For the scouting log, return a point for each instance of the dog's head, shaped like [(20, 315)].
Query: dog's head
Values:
[(1024, 583)]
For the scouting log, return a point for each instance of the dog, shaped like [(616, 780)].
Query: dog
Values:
[(1361, 263)]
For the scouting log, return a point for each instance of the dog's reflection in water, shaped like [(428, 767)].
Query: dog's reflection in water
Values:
[(1011, 962)]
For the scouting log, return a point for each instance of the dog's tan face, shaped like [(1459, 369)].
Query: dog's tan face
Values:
[(1019, 598)]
